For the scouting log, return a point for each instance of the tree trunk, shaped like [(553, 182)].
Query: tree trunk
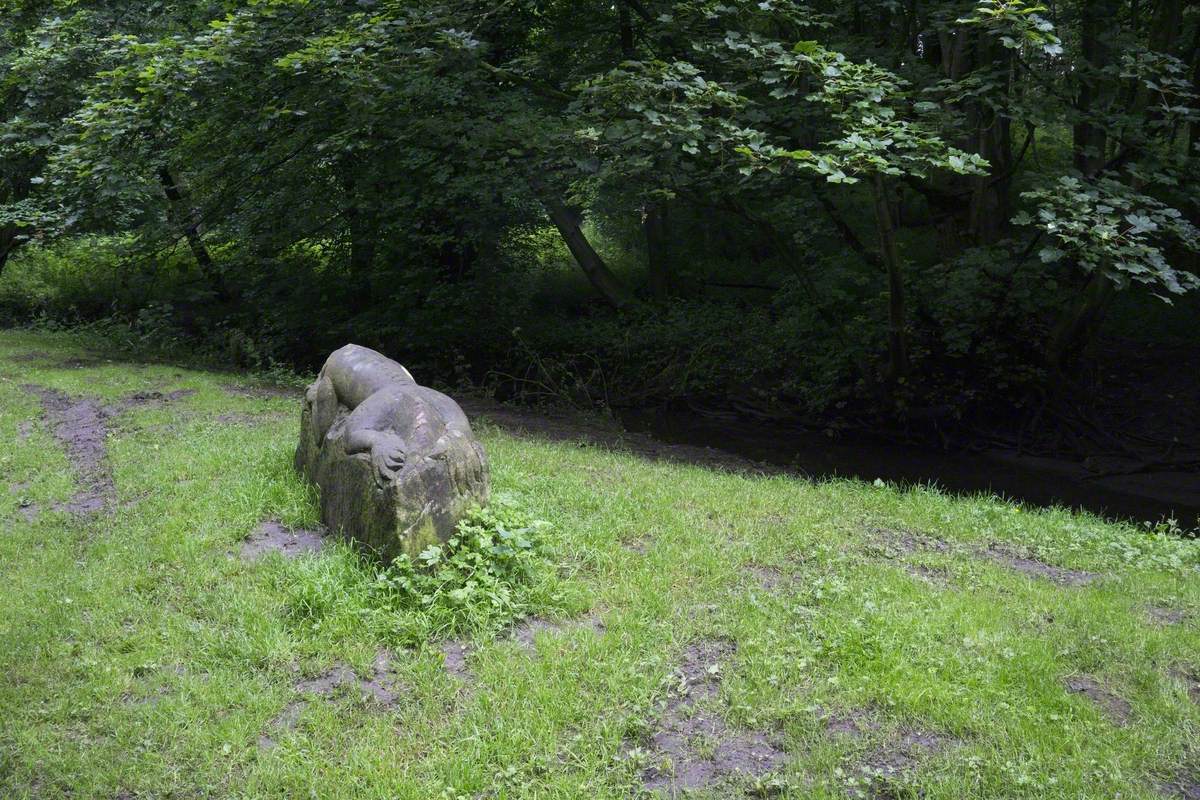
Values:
[(8, 243), (626, 30), (593, 266), (187, 220), (991, 194), (1078, 321), (362, 242), (897, 335), (1090, 141), (658, 256)]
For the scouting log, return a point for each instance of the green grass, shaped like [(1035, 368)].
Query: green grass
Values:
[(141, 657)]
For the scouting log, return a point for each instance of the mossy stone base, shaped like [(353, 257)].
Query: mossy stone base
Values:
[(420, 507)]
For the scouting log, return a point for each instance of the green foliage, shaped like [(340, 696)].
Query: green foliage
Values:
[(1019, 24), (384, 166), (483, 576), (1107, 227), (495, 569)]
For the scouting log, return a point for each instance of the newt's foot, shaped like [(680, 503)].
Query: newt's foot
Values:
[(388, 459)]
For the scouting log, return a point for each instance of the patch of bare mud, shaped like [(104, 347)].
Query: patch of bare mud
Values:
[(894, 543), (525, 632), (695, 749), (79, 425), (886, 769), (635, 545), (855, 723), (247, 420), (938, 576), (33, 355), (1183, 785), (1190, 678), (1114, 707), (153, 397), (1160, 615), (1002, 554), (273, 537), (380, 687), (769, 579), (28, 510), (454, 659)]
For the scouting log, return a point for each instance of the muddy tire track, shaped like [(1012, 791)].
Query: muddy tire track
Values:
[(81, 427)]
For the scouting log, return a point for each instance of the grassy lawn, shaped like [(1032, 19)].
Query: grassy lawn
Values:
[(700, 630)]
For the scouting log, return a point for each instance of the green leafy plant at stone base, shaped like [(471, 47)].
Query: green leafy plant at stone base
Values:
[(494, 570), (479, 576)]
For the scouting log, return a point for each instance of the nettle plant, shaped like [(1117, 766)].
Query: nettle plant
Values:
[(485, 575), (882, 138)]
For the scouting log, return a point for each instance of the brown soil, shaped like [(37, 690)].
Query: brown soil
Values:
[(1190, 678), (272, 537), (769, 578), (938, 576), (886, 766), (263, 392), (144, 398), (33, 355), (1114, 707), (1166, 616), (896, 542), (693, 749), (455, 656), (525, 632), (249, 419), (854, 723), (380, 687), (1184, 785), (80, 426), (1002, 554)]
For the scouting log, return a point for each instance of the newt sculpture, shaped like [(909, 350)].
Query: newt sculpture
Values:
[(396, 462)]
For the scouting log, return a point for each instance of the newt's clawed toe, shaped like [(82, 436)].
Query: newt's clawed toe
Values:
[(388, 459)]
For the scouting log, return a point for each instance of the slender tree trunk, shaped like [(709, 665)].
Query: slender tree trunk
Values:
[(8, 243), (187, 220), (897, 333), (593, 266), (1090, 141), (1194, 126), (991, 194), (626, 30), (362, 240), (658, 256), (1075, 325)]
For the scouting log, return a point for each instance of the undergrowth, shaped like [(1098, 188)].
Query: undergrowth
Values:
[(496, 569)]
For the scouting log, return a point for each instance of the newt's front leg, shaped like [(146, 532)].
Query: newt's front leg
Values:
[(387, 451)]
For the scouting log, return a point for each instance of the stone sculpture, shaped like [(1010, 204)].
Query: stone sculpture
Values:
[(396, 462)]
